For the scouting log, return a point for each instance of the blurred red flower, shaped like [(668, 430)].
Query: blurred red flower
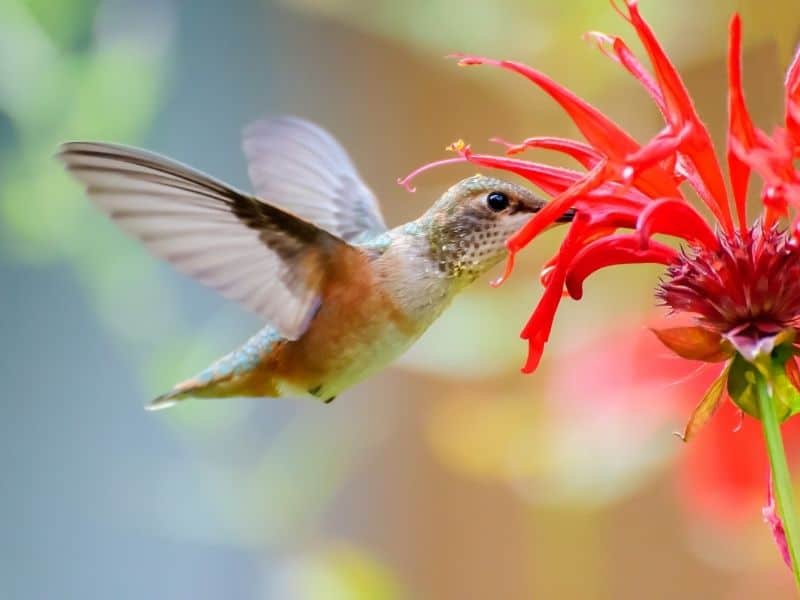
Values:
[(722, 474)]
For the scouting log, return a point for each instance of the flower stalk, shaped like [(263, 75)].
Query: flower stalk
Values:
[(781, 480)]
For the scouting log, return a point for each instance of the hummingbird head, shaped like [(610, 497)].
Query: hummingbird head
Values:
[(470, 223)]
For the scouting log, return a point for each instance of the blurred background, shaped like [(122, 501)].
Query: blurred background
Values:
[(449, 475)]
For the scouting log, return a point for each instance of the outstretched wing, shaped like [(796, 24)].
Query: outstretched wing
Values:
[(266, 258), (300, 166)]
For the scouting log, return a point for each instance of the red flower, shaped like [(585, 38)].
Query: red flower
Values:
[(721, 476), (739, 281)]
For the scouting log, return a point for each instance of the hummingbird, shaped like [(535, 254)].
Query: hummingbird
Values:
[(342, 294)]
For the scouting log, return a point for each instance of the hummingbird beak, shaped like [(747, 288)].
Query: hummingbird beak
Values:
[(533, 204), (567, 217)]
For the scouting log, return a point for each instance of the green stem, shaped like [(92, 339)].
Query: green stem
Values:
[(781, 480)]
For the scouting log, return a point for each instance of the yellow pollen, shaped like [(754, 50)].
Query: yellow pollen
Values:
[(457, 146)]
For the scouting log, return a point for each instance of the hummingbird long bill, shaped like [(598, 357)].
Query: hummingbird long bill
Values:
[(342, 294)]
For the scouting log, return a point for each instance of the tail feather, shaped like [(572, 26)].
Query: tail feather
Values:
[(182, 391), (231, 375), (211, 383), (166, 400)]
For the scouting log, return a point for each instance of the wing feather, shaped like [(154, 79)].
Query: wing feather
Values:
[(300, 166), (267, 258)]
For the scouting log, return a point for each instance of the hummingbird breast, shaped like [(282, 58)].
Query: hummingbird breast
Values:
[(375, 303), (374, 306)]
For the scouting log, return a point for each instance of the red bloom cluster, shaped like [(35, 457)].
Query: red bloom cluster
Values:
[(740, 281), (746, 290)]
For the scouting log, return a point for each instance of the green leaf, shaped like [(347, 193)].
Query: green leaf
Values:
[(707, 407), (785, 395), (742, 388)]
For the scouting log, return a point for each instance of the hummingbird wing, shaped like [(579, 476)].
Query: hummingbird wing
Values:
[(266, 258), (300, 166)]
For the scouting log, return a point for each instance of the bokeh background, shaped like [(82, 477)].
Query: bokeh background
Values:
[(449, 475)]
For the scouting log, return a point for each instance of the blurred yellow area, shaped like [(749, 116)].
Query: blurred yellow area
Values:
[(450, 475)]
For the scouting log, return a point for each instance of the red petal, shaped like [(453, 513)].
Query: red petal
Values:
[(554, 209), (740, 126), (792, 84), (552, 180), (676, 218), (587, 156), (621, 54), (618, 249), (406, 181), (676, 97), (611, 216), (792, 80), (680, 111), (537, 329), (661, 147), (600, 131), (568, 187)]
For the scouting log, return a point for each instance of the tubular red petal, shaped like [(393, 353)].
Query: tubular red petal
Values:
[(793, 122), (740, 125), (406, 181), (680, 110), (616, 49), (508, 268), (612, 218), (676, 218), (555, 208), (556, 180), (552, 180), (587, 156), (601, 132), (622, 55), (792, 80), (567, 186), (792, 85), (664, 145), (537, 329), (676, 96), (617, 249), (545, 275)]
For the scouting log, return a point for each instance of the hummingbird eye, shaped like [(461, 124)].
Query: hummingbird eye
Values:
[(497, 201)]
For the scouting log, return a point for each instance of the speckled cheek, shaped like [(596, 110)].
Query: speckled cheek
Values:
[(479, 250)]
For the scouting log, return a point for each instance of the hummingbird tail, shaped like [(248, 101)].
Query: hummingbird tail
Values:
[(238, 373), (167, 400), (203, 386)]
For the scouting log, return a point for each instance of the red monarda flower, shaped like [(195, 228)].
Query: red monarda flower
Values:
[(740, 281)]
